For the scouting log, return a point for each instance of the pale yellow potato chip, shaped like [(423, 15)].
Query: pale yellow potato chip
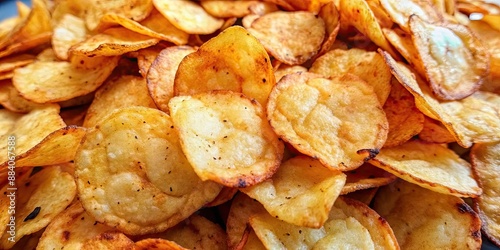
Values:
[(132, 174), (214, 125), (69, 31), (454, 59), (233, 60), (40, 198), (109, 240), (120, 92), (422, 219), (460, 117), (31, 129), (43, 82), (10, 63), (401, 10), (485, 159), (342, 131), (291, 37), (430, 166), (113, 42), (365, 177), (331, 17), (12, 100), (136, 10), (161, 74), (435, 132), (238, 8), (71, 228), (405, 120), (367, 65), (27, 44), (145, 58), (181, 12), (301, 192), (242, 207)]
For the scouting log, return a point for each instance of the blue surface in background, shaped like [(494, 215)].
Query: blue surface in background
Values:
[(8, 9)]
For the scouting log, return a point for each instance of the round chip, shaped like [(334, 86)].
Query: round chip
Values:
[(132, 175), (342, 130), (226, 137)]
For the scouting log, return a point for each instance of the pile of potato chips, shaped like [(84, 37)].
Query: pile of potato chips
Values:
[(246, 124)]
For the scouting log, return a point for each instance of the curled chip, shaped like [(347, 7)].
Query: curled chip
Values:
[(69, 31), (367, 65), (454, 60), (291, 37), (242, 207), (400, 11), (342, 131), (486, 165), (44, 195), (217, 65), (302, 192), (12, 100), (365, 177), (413, 212), (435, 132), (132, 175), (490, 38), (44, 81), (214, 125), (430, 166), (331, 17), (180, 13), (93, 10), (161, 74), (10, 63)]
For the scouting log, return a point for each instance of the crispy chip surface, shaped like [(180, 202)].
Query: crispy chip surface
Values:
[(234, 145), (160, 244), (435, 132), (242, 207), (69, 31), (131, 173), (365, 177), (136, 10), (12, 100), (400, 11), (342, 131)]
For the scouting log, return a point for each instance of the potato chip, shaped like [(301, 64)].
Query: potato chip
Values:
[(74, 115), (31, 129), (238, 8), (460, 117), (414, 212), (71, 229), (365, 177), (308, 5), (77, 101), (69, 31), (26, 44), (7, 25), (380, 14), (405, 120), (12, 100), (131, 164), (352, 127), (123, 91), (225, 195), (242, 207), (113, 42), (109, 240), (430, 166), (287, 69), (231, 123), (180, 14), (367, 65), (145, 58), (364, 195), (490, 39), (249, 240), (454, 60), (404, 44), (331, 17), (291, 37), (160, 244), (233, 60), (7, 121), (44, 195), (358, 14), (485, 163), (136, 10), (13, 62), (59, 81), (400, 11), (435, 132), (6, 75), (301, 192), (161, 74)]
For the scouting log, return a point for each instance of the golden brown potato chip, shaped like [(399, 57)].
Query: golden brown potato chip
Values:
[(491, 41), (145, 58), (131, 163), (10, 63), (233, 60), (454, 60), (159, 244), (40, 198), (291, 37), (26, 44), (404, 44), (380, 14), (113, 42), (123, 91), (405, 120), (460, 117), (180, 13), (31, 129), (161, 74), (231, 123), (249, 240), (7, 25), (69, 31), (12, 100), (400, 11), (430, 166), (435, 132), (422, 219), (342, 131), (358, 14), (331, 17), (301, 192), (109, 240), (6, 75), (71, 228), (365, 177), (486, 166), (242, 207), (43, 82), (136, 10), (238, 8), (367, 65), (7, 121)]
